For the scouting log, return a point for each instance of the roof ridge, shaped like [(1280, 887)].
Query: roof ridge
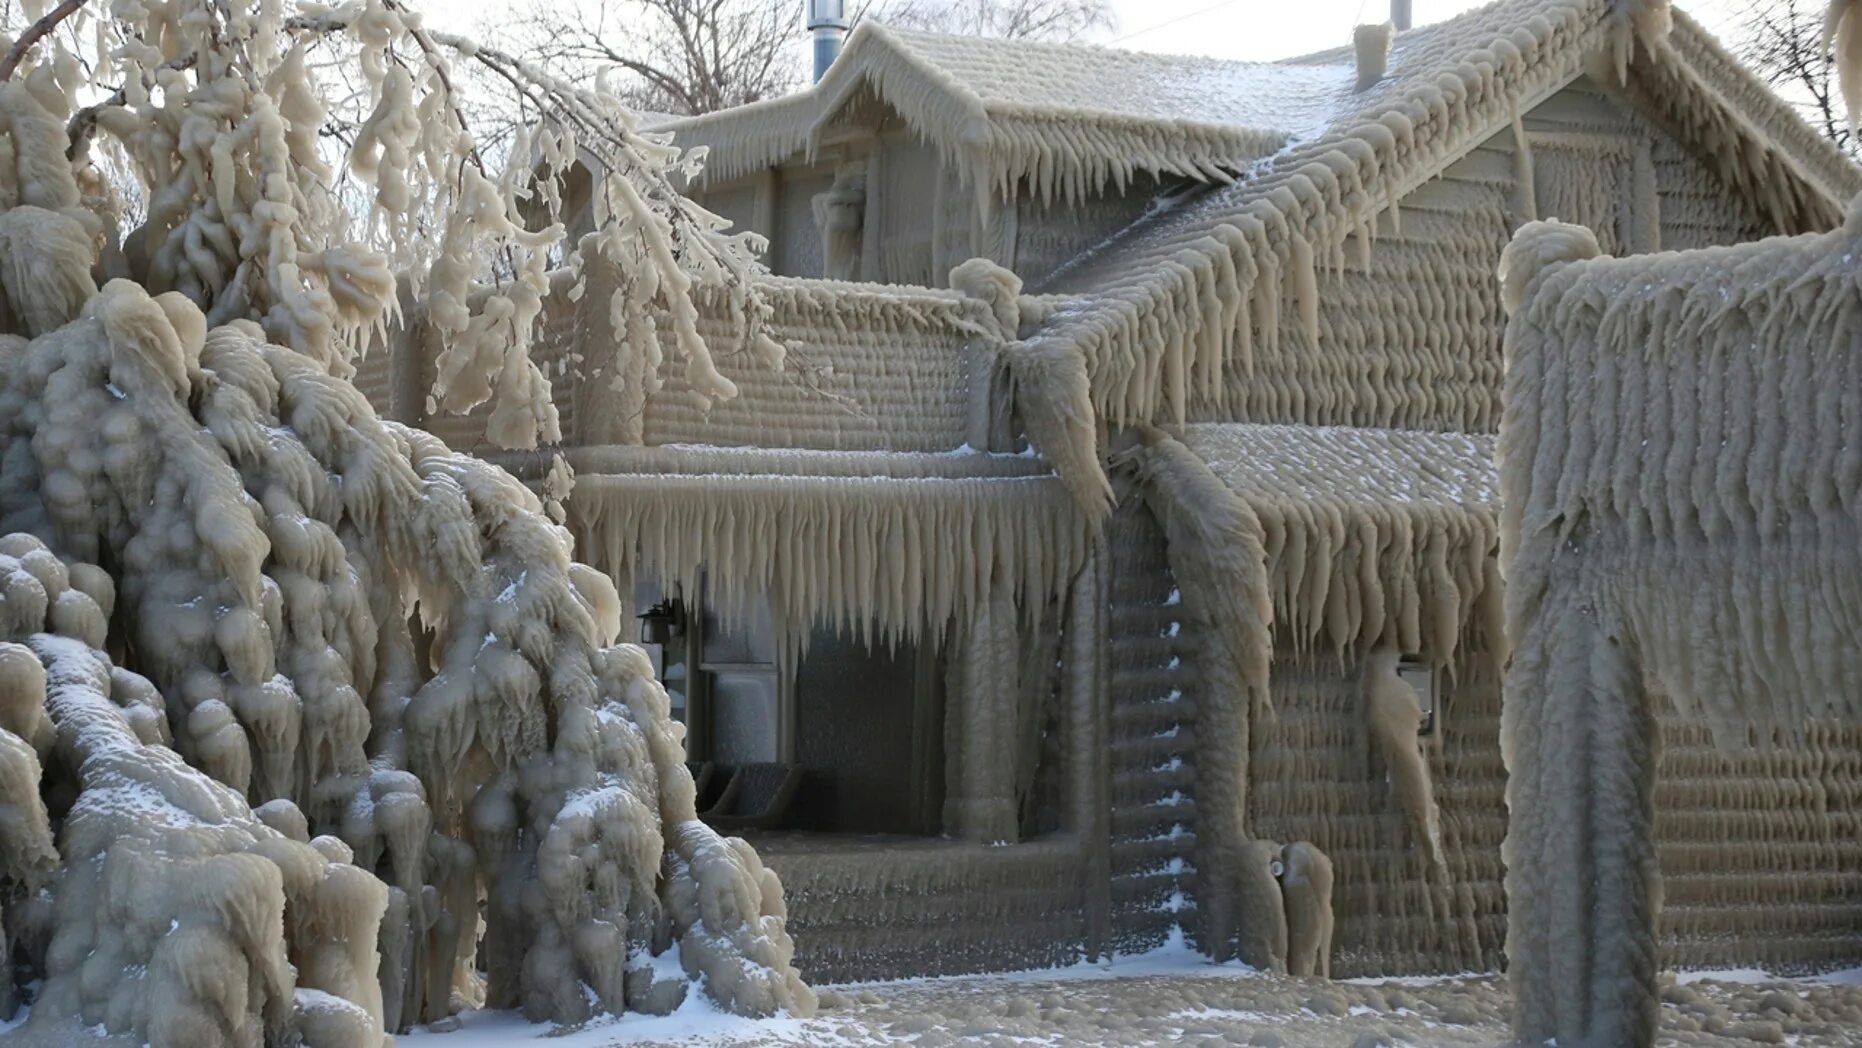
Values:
[(909, 61), (1095, 47)]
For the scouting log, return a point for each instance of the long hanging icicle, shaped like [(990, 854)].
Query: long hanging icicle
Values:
[(899, 556)]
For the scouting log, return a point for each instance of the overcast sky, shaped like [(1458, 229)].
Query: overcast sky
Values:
[(1252, 30)]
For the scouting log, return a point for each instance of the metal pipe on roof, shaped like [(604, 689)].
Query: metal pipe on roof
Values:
[(827, 22), (1400, 14)]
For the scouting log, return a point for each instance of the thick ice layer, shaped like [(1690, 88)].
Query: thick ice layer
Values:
[(174, 914), (1679, 473)]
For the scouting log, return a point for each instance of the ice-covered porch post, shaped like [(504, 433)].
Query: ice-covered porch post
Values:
[(1682, 515)]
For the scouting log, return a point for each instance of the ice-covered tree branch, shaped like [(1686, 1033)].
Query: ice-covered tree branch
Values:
[(252, 212)]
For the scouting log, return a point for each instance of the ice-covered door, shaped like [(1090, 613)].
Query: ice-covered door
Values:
[(745, 696)]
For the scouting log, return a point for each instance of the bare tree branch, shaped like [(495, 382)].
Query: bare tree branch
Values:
[(1008, 19), (34, 33), (697, 56), (1783, 41)]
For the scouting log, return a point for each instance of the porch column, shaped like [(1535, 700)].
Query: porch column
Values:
[(979, 738), (1087, 711), (407, 348), (1582, 877), (610, 405)]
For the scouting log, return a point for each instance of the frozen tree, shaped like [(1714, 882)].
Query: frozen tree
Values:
[(311, 729)]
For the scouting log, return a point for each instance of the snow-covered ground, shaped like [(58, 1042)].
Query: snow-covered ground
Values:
[(1174, 996)]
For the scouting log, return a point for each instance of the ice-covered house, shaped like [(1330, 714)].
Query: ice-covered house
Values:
[(1033, 597)]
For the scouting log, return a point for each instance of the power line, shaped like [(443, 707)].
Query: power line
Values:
[(1173, 21)]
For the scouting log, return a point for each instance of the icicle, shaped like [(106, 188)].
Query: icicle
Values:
[(1055, 398), (1306, 884), (1305, 286), (1395, 716), (1523, 178), (855, 550)]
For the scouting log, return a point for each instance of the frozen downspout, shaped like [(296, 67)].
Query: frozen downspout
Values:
[(1399, 14), (827, 23)]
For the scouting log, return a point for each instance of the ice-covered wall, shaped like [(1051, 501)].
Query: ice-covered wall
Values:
[(1680, 489), (885, 908), (1761, 863), (1409, 321), (1318, 774), (1756, 847), (1344, 543)]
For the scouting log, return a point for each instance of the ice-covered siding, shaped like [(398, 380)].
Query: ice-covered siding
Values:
[(1761, 861), (868, 369), (922, 215), (884, 908), (1049, 236), (904, 228), (1317, 775), (1691, 207), (1152, 737), (1760, 851)]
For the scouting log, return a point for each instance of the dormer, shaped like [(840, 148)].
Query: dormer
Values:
[(918, 151)]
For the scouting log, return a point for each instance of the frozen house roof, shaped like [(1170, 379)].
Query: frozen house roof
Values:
[(1012, 110), (1339, 539), (1344, 466), (1163, 313)]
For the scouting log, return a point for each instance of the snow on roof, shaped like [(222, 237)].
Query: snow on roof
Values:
[(1073, 79), (1381, 467), (1005, 111), (1343, 539)]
